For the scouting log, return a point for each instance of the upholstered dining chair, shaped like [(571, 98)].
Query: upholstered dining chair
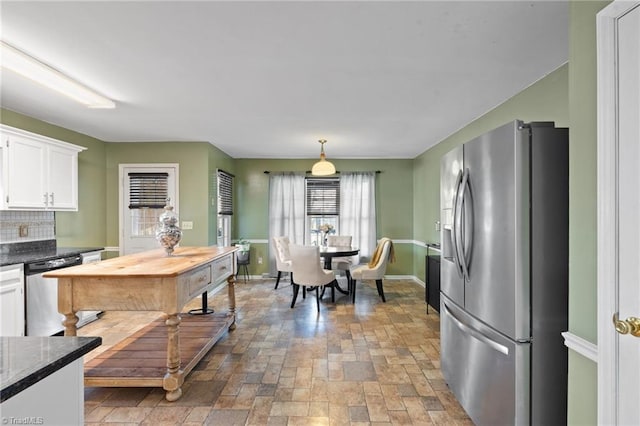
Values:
[(283, 259), (341, 263), (375, 269), (308, 272)]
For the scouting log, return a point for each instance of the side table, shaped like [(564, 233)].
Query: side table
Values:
[(244, 259)]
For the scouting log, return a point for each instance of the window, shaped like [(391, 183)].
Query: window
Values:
[(225, 207), (148, 194), (322, 206)]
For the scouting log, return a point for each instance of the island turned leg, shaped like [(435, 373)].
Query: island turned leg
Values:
[(174, 378), (65, 307), (70, 322), (231, 288)]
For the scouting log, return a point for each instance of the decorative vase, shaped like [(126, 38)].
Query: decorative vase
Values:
[(168, 233)]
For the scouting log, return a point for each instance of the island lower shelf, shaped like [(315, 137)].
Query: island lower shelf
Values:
[(141, 359)]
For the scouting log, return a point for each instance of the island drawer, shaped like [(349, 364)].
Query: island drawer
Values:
[(198, 279), (222, 268)]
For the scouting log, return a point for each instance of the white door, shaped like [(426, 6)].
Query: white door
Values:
[(619, 214), (144, 190)]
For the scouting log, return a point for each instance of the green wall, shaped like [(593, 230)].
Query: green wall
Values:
[(546, 100), (394, 195), (86, 227), (96, 221), (582, 207), (194, 159), (568, 97)]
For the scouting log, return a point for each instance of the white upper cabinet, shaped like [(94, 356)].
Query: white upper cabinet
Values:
[(38, 173)]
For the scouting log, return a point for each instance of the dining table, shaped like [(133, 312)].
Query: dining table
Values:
[(327, 253)]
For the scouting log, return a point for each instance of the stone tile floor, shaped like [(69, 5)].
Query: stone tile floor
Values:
[(371, 363)]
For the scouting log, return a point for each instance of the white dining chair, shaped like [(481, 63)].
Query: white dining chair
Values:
[(375, 269), (341, 263), (283, 258), (308, 272)]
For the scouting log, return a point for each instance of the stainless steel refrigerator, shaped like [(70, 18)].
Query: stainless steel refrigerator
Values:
[(504, 274)]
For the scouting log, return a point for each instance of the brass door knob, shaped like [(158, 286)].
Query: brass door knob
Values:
[(630, 325)]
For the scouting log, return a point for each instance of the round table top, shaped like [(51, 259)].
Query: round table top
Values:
[(336, 251)]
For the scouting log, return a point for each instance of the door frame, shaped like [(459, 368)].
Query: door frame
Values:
[(121, 193), (607, 256)]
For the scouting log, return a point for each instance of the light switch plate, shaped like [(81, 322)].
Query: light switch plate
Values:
[(187, 225)]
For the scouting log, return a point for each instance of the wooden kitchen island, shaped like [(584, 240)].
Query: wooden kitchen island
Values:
[(151, 281)]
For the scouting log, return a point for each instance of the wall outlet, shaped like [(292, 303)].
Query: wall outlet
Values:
[(187, 225), (23, 230), (437, 225), (260, 260)]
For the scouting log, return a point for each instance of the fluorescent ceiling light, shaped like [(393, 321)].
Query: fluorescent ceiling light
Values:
[(29, 67)]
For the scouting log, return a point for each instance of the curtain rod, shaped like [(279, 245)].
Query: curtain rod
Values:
[(266, 172)]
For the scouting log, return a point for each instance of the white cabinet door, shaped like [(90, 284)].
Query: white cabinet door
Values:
[(26, 172), (38, 173), (57, 399), (63, 179), (12, 300)]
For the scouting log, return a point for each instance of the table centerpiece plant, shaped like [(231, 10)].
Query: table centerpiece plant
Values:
[(244, 245), (243, 253), (326, 229)]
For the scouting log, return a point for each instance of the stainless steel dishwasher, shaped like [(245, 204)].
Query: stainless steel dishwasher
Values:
[(42, 316)]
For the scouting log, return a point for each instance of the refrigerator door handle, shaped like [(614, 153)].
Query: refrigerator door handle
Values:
[(464, 230), (475, 333), (454, 227)]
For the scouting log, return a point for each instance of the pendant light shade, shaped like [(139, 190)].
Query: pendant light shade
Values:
[(323, 167)]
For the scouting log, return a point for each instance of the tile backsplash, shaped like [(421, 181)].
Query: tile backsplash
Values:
[(19, 226)]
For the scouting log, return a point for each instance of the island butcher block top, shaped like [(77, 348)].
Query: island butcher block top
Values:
[(153, 263)]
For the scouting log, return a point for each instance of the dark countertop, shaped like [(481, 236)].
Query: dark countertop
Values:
[(38, 251), (24, 361), (433, 246)]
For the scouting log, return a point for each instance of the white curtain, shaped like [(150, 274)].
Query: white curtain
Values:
[(286, 210), (358, 210)]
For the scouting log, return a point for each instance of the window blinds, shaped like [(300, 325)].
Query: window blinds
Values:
[(148, 190), (323, 197), (225, 193)]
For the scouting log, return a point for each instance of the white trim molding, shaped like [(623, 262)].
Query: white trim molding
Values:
[(607, 255), (581, 346)]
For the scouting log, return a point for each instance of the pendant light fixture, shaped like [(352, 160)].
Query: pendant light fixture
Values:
[(323, 167)]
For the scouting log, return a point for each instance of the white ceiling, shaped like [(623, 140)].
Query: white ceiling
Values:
[(268, 79)]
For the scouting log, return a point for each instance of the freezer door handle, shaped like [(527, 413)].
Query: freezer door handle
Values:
[(464, 224), (454, 227), (475, 333)]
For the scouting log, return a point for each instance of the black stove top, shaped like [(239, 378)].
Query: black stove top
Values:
[(36, 251)]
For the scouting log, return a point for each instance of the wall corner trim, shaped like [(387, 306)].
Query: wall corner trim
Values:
[(581, 346)]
